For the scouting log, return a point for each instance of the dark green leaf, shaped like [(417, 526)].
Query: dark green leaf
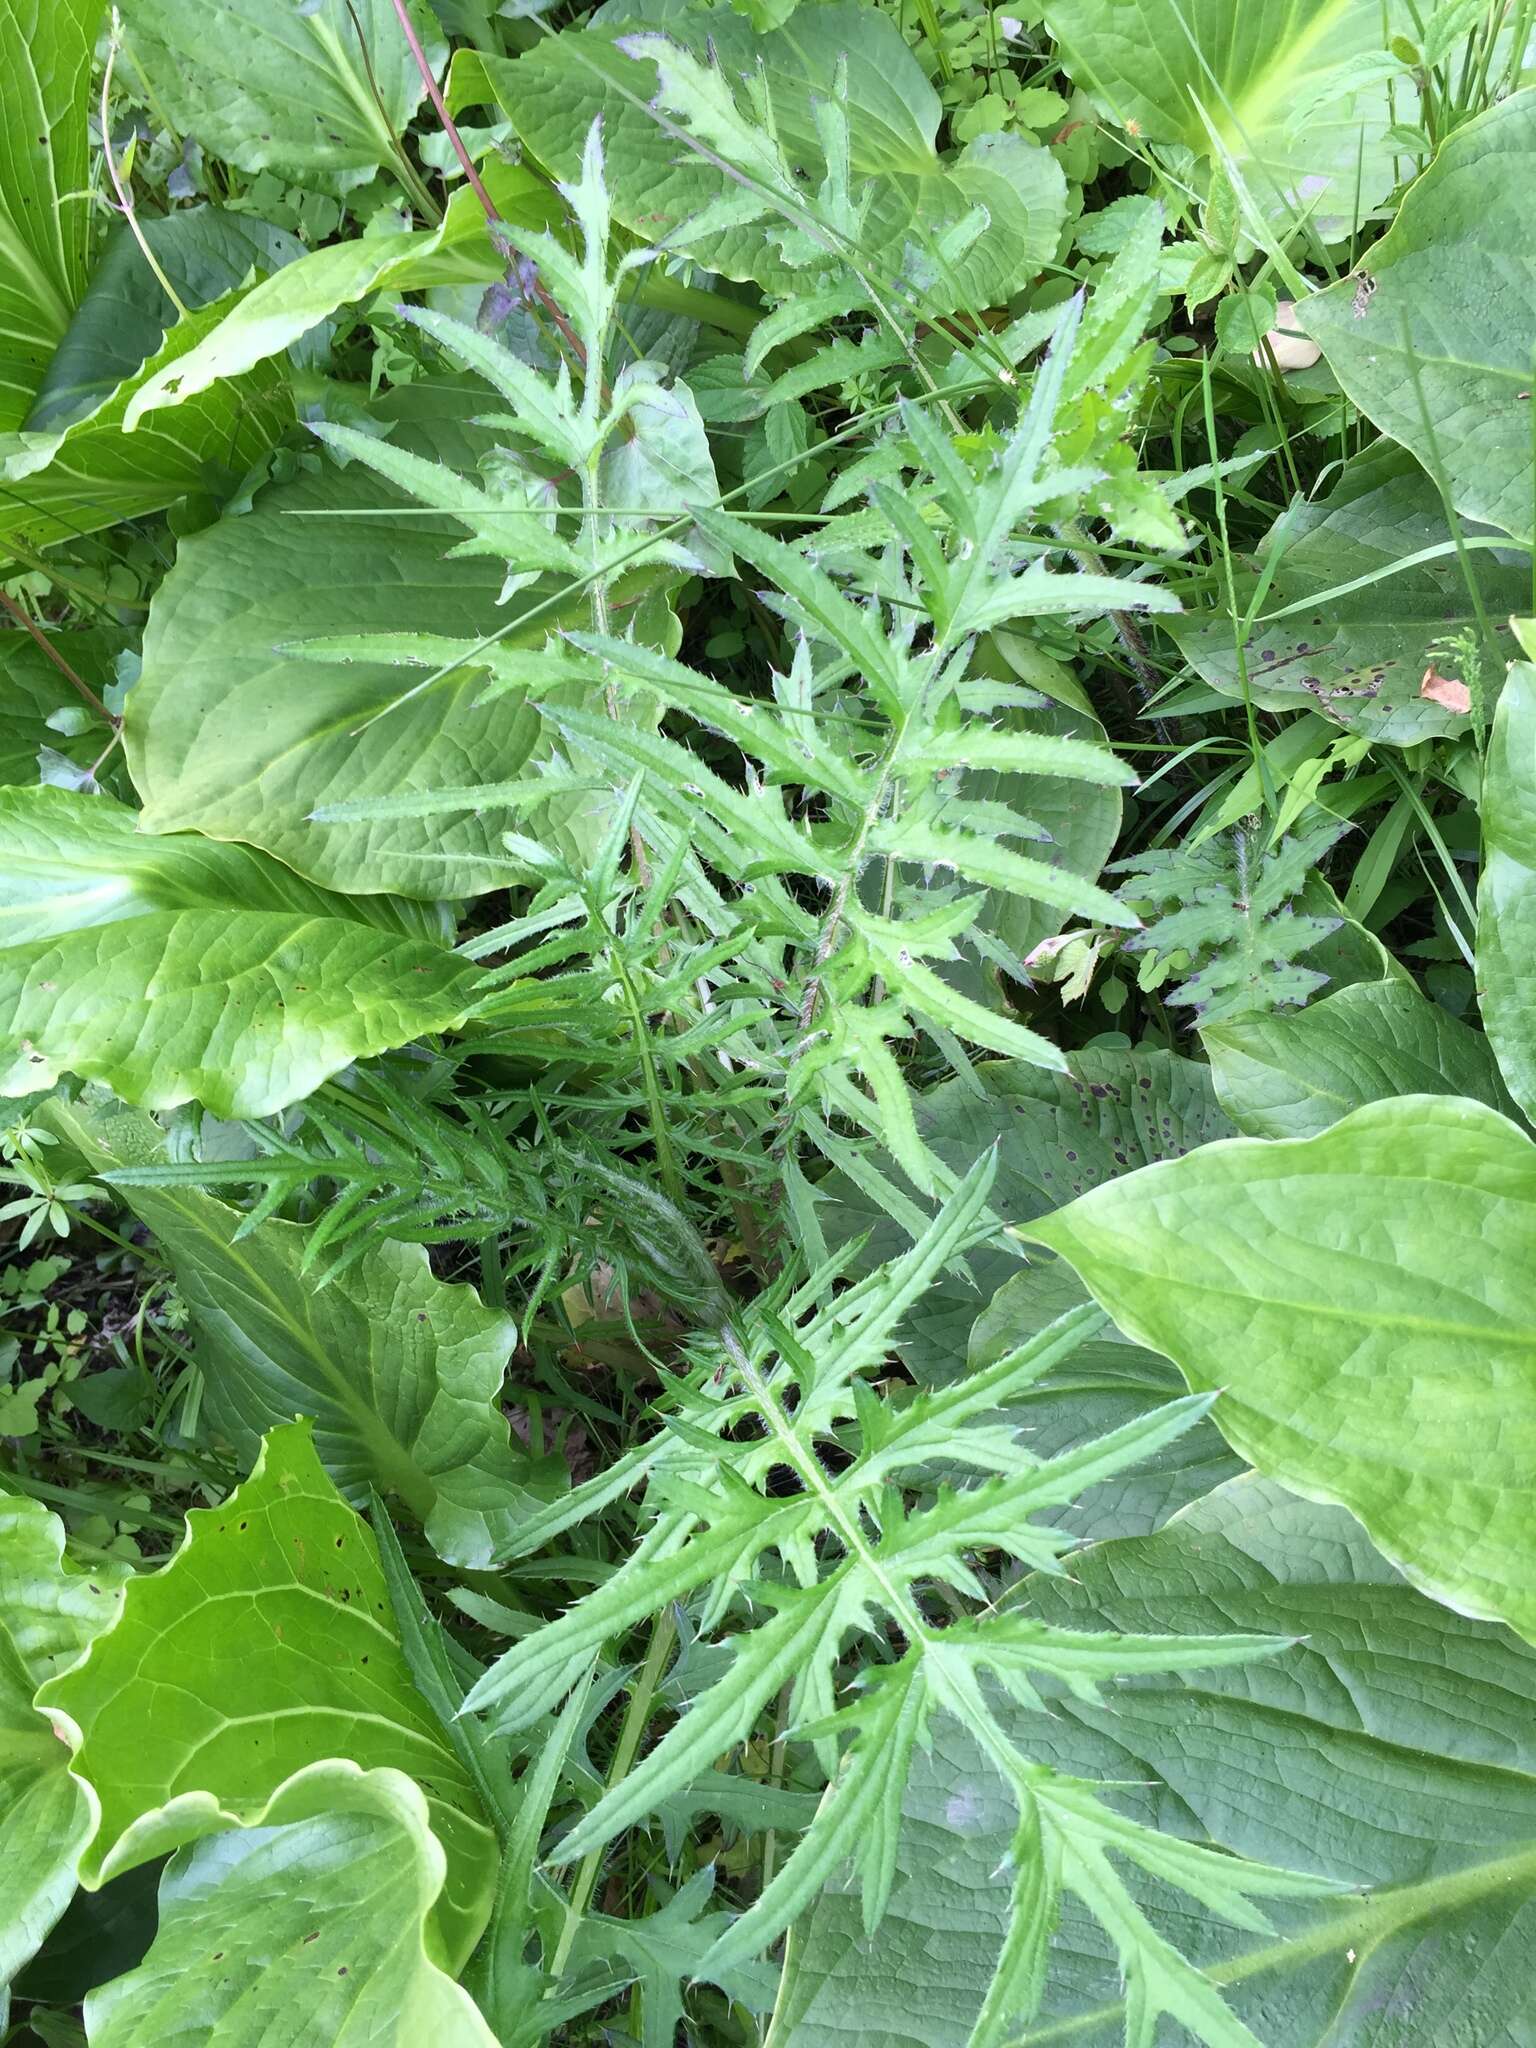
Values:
[(323, 88), (1390, 1747), (45, 214), (228, 734)]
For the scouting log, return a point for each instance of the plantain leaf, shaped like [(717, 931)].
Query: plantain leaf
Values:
[(1283, 90), (1430, 335), (45, 214), (75, 477), (1056, 1135), (267, 1644), (315, 1918), (1358, 656), (660, 184), (1391, 1748), (1506, 900), (1292, 1075), (177, 969), (1361, 1298), (1105, 1384), (278, 311), (1081, 820), (48, 1614), (399, 1371), (204, 251), (229, 735), (324, 88)]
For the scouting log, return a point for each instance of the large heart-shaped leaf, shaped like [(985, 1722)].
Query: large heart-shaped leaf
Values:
[(1081, 820), (178, 969), (60, 481), (48, 1614), (1431, 335), (1506, 898), (1364, 1301), (1278, 87), (553, 92), (229, 735), (399, 1371), (1106, 1384), (266, 1644), (326, 87), (311, 1924), (1391, 1747), (45, 213), (1292, 1075), (1358, 655)]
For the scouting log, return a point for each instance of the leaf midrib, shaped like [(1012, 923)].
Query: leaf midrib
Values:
[(1372, 1923), (400, 1471)]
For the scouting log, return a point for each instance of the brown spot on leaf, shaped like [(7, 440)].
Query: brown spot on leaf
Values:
[(1449, 692)]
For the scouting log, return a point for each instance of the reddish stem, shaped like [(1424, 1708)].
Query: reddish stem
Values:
[(492, 219), (446, 118), (56, 658)]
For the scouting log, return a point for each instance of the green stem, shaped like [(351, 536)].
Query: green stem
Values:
[(666, 1158), (1368, 1927), (636, 1714), (493, 1274), (124, 198)]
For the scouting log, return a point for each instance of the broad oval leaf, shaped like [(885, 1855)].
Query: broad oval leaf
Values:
[(1363, 1301), (266, 1644), (1291, 1075), (400, 1372), (1391, 1747), (66, 479), (1431, 334), (1083, 819), (1278, 87), (177, 969), (658, 183), (49, 1612), (1506, 897), (45, 213), (229, 735), (205, 252), (1359, 656), (327, 87), (311, 1923), (1079, 821), (281, 309), (1105, 1384)]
